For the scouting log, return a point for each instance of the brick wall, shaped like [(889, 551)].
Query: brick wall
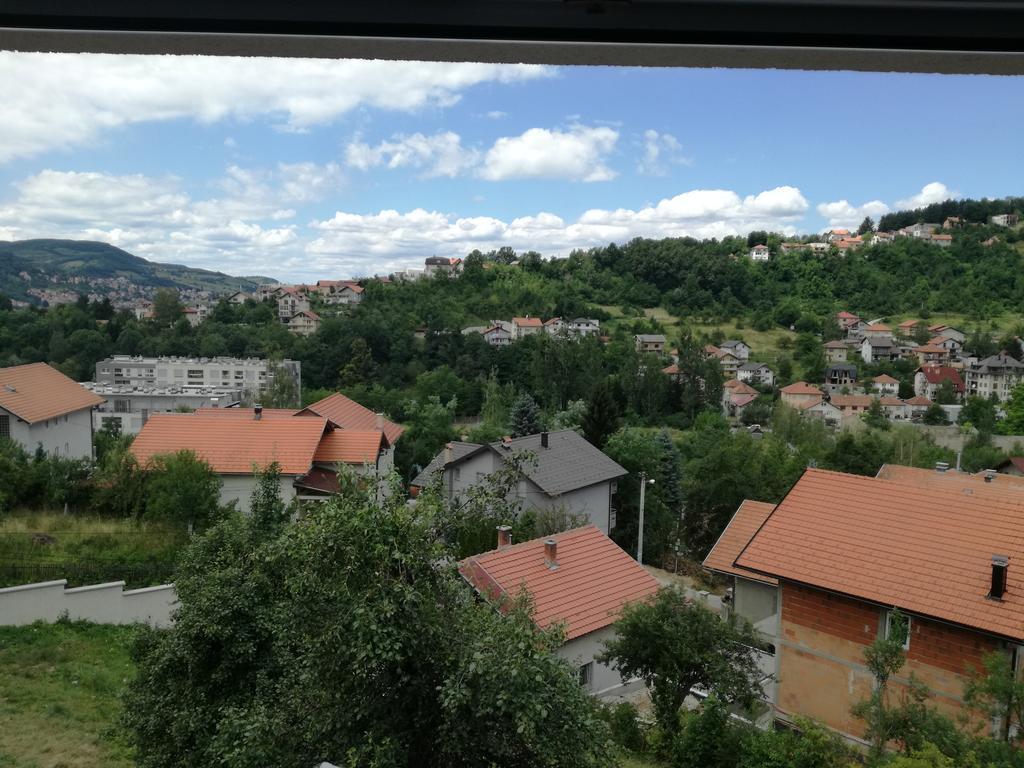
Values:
[(839, 616), (946, 647)]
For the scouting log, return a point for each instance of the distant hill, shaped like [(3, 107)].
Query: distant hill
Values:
[(93, 266)]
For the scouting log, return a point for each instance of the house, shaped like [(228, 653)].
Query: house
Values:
[(947, 332), (736, 396), (128, 408), (943, 241), (849, 244), (800, 392), (919, 230), (818, 249), (1011, 466), (1004, 220), (793, 247), (290, 302), (844, 317), (304, 323), (885, 385), (584, 326), (555, 326), (930, 354), (908, 327), (929, 378), (835, 351), (342, 292), (674, 372), (918, 405), (989, 242), (729, 362), (835, 235), (882, 238), (252, 374), (579, 579), (526, 326), (433, 265), (822, 410), (562, 474), (878, 331), (894, 408), (308, 444), (848, 550), (875, 349), (854, 329), (497, 336), (238, 297), (41, 408), (266, 291), (950, 344), (839, 375), (996, 375), (756, 373), (952, 222), (740, 350), (760, 252), (851, 406), (650, 342)]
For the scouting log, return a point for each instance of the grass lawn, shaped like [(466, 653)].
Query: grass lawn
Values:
[(764, 345), (49, 545), (60, 688)]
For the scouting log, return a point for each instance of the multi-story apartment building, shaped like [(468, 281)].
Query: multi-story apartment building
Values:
[(250, 374), (996, 375), (130, 407)]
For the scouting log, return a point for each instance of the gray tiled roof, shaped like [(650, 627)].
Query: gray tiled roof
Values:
[(459, 451), (997, 363), (649, 337), (752, 366)]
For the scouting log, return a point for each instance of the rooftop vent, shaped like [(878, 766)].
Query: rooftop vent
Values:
[(941, 466), (551, 554), (9, 388), (1000, 565), (504, 536), (543, 439), (257, 412), (990, 475)]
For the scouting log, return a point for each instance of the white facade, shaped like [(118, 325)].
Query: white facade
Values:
[(584, 326), (251, 374), (99, 603), (597, 679), (760, 253), (69, 435)]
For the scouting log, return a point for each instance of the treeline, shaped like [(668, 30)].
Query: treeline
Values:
[(971, 211)]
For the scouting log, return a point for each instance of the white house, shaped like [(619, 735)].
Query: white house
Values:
[(886, 385), (738, 348), (760, 252), (756, 373), (40, 407), (584, 326), (579, 579)]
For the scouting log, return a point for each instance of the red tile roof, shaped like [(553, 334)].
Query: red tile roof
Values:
[(950, 479), (930, 349), (527, 322), (909, 323), (878, 327), (801, 388), (737, 387), (671, 370), (349, 446), (927, 551), (348, 414), (246, 413), (918, 400), (851, 401), (232, 446), (891, 401), (737, 534), (835, 344), (936, 374), (36, 392), (847, 315), (586, 592), (885, 378)]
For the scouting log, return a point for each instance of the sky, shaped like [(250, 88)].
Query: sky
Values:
[(306, 169)]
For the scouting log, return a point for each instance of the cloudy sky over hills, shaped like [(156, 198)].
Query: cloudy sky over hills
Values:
[(302, 169)]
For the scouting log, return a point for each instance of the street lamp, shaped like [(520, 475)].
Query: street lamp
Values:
[(644, 482)]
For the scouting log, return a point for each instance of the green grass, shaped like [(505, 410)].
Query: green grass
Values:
[(60, 687), (764, 345), (97, 548)]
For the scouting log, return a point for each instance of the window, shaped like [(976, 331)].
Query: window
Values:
[(586, 674), (5, 425), (122, 406), (195, 373), (890, 628)]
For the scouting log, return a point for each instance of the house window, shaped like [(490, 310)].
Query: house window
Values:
[(195, 373), (890, 628), (5, 426), (121, 406), (586, 674)]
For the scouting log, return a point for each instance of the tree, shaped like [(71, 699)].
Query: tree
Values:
[(266, 507), (167, 307), (866, 226), (874, 416), (1013, 423), (674, 644), (602, 416), (980, 413), (708, 739), (934, 415), (998, 693), (524, 417), (183, 488), (360, 367), (355, 613), (946, 393)]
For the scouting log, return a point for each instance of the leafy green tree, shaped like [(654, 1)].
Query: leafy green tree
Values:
[(524, 417), (428, 426), (120, 485), (934, 415), (980, 413), (267, 509), (675, 645), (360, 367), (875, 417), (866, 226), (181, 487), (997, 692), (946, 393), (1013, 423), (167, 307), (708, 739), (357, 614), (602, 416)]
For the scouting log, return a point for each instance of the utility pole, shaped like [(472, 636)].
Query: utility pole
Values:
[(640, 532)]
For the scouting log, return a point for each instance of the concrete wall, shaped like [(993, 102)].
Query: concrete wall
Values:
[(604, 680), (239, 488), (69, 435), (99, 603), (758, 603), (821, 657), (951, 437)]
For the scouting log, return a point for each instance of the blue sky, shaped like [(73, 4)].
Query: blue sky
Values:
[(304, 169)]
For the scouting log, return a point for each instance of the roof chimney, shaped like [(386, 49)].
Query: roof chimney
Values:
[(449, 453), (257, 412), (506, 443), (990, 475), (941, 466), (1000, 564), (504, 536), (543, 439), (380, 422), (551, 554)]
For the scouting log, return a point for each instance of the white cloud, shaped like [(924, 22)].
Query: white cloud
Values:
[(935, 192), (578, 154), (50, 100), (386, 240), (439, 155), (659, 151), (842, 213), (496, 114)]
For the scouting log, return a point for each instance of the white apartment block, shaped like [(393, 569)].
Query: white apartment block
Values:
[(250, 374)]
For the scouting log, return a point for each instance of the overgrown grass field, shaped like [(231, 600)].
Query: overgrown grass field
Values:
[(60, 687)]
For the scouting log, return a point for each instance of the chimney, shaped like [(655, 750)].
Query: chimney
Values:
[(506, 443), (941, 466), (504, 536), (257, 412), (551, 554), (449, 454), (1000, 564), (990, 475), (543, 439), (379, 424)]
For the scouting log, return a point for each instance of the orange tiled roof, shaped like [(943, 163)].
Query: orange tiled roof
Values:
[(36, 392), (847, 315), (527, 322), (930, 478), (891, 401), (851, 401), (800, 388), (586, 592), (348, 414), (737, 534), (925, 550), (930, 349), (885, 378), (350, 446), (918, 400), (737, 387), (835, 344), (671, 370), (245, 413), (909, 323), (232, 446), (878, 327)]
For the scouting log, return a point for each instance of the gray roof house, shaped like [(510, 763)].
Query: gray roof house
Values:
[(562, 473), (738, 348)]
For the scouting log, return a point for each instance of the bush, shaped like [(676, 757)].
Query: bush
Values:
[(624, 726)]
